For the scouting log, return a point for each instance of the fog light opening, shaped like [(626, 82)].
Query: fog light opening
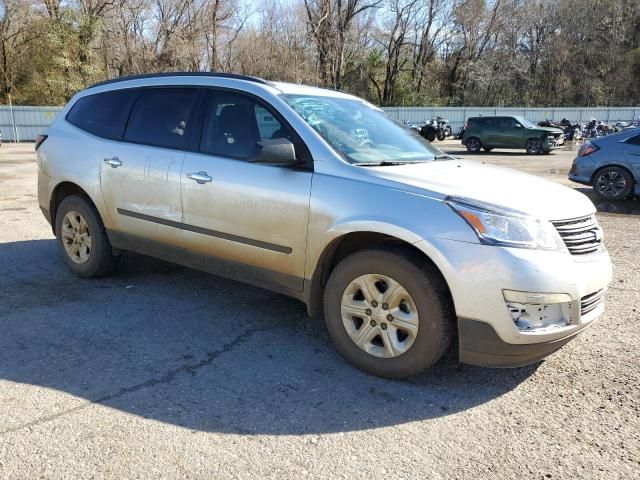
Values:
[(533, 312)]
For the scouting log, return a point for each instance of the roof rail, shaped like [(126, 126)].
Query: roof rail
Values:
[(182, 74)]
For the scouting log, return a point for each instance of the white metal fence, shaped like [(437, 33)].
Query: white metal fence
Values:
[(25, 123)]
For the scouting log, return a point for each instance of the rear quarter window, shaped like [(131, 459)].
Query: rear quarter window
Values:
[(478, 122), (103, 114), (634, 140)]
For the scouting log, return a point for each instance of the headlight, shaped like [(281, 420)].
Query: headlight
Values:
[(500, 226)]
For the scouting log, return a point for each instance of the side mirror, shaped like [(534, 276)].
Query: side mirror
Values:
[(277, 151), (517, 125)]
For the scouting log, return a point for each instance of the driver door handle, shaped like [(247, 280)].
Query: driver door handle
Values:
[(200, 177), (113, 161)]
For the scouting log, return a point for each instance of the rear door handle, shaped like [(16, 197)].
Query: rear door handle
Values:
[(113, 161), (200, 177)]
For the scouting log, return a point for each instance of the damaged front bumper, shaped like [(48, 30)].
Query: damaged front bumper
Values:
[(551, 143)]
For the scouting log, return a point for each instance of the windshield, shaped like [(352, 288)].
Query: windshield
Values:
[(524, 122), (360, 132)]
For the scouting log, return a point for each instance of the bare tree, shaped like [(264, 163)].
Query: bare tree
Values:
[(415, 52), (17, 32), (329, 22), (403, 13)]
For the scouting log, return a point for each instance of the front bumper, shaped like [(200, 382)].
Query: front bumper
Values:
[(46, 214), (552, 143), (478, 275), (479, 344)]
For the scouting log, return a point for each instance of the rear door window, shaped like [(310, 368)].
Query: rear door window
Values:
[(491, 123), (103, 114), (163, 117)]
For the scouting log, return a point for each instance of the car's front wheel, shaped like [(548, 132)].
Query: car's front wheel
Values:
[(613, 183), (388, 313), (82, 239)]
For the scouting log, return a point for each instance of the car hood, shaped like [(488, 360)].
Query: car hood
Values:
[(500, 186), (552, 130)]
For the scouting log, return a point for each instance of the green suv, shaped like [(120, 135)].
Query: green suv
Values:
[(509, 132)]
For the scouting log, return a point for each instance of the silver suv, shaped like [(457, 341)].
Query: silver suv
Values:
[(318, 195)]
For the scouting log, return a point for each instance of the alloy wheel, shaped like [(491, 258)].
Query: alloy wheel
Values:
[(379, 315), (534, 147), (76, 237), (611, 184), (473, 145)]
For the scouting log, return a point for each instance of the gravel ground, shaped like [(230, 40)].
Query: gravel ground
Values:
[(160, 371)]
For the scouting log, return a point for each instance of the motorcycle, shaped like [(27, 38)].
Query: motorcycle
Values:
[(443, 128), (436, 128), (590, 130), (412, 126), (429, 130), (548, 123), (571, 132)]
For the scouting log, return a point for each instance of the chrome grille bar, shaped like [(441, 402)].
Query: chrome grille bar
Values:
[(590, 302), (581, 235)]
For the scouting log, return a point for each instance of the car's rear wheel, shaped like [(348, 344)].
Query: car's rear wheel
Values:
[(388, 313), (473, 145), (533, 146), (82, 239), (613, 183)]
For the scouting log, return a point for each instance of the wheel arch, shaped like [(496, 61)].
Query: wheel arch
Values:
[(61, 191), (351, 242)]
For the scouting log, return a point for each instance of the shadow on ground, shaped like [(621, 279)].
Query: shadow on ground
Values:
[(630, 206), (198, 351)]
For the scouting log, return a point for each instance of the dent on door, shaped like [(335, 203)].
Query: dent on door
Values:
[(143, 193)]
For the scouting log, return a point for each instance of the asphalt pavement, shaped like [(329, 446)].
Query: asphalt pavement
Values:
[(159, 371)]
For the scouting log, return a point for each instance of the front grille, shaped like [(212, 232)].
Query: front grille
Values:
[(580, 235), (592, 301)]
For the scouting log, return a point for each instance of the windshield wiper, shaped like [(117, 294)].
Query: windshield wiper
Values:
[(384, 163), (387, 163), (444, 157)]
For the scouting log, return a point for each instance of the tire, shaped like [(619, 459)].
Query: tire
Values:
[(474, 145), (612, 183), (94, 257), (440, 135), (533, 146), (488, 149), (427, 304)]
